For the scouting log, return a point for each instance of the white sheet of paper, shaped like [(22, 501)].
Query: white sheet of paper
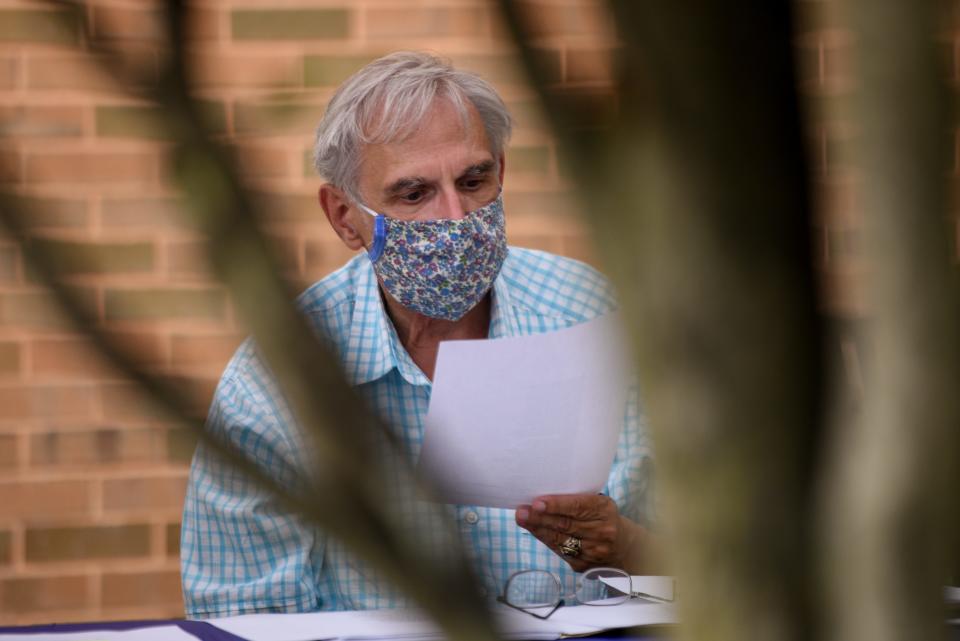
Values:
[(408, 625), (314, 626), (155, 633), (657, 586), (513, 418), (631, 614)]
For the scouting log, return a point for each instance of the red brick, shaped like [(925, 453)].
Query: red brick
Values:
[(238, 70), (197, 389), (529, 159), (145, 348), (581, 248), (276, 117), (30, 499), (589, 65), (128, 403), (188, 259), (181, 444), (9, 270), (46, 402), (286, 251), (203, 352), (79, 72), (43, 120), (75, 257), (144, 494), (541, 204), (127, 23), (71, 357), (550, 18), (152, 213), (53, 27), (8, 451), (33, 310), (86, 543), (205, 23), (129, 589), (261, 161), (427, 22), (291, 208), (165, 303), (11, 166), (10, 359), (92, 167), (330, 71), (6, 547), (289, 24), (173, 539), (37, 594), (54, 212), (97, 447), (325, 255), (9, 72)]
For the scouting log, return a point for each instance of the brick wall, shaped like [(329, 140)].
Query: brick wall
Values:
[(91, 477)]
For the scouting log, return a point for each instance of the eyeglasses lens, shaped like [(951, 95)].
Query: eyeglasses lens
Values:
[(600, 587), (533, 589)]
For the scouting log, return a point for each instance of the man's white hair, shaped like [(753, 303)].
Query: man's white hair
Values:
[(387, 100)]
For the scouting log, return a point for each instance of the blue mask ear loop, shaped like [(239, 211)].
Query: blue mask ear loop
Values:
[(379, 238), (379, 233)]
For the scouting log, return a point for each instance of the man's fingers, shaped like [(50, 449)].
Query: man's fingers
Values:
[(569, 527), (591, 552), (582, 507)]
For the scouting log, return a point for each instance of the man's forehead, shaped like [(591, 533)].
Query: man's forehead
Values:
[(443, 143)]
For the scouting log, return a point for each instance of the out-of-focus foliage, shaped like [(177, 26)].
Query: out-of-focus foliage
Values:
[(787, 515)]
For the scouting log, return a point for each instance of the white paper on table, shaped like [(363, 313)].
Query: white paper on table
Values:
[(153, 633), (661, 587), (314, 626), (514, 418), (409, 625), (631, 614)]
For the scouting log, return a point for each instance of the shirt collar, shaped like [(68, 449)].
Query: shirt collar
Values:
[(503, 321), (373, 346), (368, 355)]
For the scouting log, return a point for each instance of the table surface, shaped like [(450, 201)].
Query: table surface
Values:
[(206, 632)]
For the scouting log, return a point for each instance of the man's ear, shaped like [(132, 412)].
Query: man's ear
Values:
[(341, 216)]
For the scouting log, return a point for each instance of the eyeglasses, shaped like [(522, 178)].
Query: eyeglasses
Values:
[(529, 590)]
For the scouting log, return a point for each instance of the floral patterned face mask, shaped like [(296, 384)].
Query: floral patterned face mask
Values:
[(440, 268)]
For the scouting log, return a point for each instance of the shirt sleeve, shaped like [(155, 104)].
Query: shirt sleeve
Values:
[(240, 552), (631, 482)]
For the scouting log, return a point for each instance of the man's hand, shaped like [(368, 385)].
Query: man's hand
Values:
[(607, 538)]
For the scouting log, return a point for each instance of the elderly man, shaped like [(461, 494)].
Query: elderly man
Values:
[(413, 150)]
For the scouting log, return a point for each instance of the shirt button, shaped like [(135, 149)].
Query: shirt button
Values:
[(471, 517)]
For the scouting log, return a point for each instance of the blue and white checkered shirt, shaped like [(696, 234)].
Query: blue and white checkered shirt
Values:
[(241, 553)]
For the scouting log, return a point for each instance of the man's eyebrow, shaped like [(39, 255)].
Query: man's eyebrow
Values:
[(411, 183), (479, 169), (407, 183)]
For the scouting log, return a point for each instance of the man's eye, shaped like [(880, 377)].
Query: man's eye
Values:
[(412, 197), (473, 183)]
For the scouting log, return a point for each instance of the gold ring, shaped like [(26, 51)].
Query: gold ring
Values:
[(571, 547)]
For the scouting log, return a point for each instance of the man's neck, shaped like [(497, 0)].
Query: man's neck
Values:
[(421, 335)]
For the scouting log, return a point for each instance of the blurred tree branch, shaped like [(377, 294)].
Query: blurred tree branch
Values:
[(891, 523), (698, 195), (698, 198)]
